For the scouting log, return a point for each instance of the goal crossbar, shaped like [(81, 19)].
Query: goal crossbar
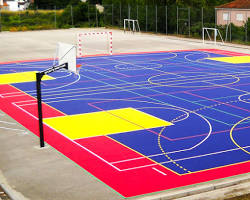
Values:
[(135, 25), (216, 33), (80, 41)]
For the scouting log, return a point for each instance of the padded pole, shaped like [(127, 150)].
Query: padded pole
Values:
[(39, 106)]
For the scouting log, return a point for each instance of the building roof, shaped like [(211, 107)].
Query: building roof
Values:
[(239, 4), (4, 4)]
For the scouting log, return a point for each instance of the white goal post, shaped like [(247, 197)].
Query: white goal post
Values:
[(131, 22), (82, 39), (216, 33)]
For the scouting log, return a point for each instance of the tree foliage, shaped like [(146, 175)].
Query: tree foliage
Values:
[(190, 3)]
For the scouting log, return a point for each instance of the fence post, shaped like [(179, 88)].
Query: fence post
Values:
[(146, 18), (19, 19), (55, 15), (202, 17), (112, 14), (137, 16), (245, 27), (215, 18), (177, 20), (88, 15), (0, 20), (189, 22), (96, 17), (128, 11), (120, 14), (72, 18), (166, 19), (156, 18), (230, 27)]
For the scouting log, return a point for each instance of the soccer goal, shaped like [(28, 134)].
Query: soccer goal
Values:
[(212, 34), (66, 53), (94, 43), (131, 25)]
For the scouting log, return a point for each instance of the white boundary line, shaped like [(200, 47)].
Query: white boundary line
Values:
[(159, 171), (145, 157), (71, 140), (187, 158)]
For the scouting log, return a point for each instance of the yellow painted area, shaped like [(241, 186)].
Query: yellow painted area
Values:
[(233, 59), (21, 77), (104, 123)]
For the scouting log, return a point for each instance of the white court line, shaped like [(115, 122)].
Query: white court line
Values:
[(187, 158), (27, 104), (81, 146), (25, 111), (200, 61), (159, 171), (72, 140), (105, 88), (21, 93), (32, 100), (209, 124), (16, 94), (143, 54)]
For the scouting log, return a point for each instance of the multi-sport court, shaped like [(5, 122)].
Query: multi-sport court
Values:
[(141, 122)]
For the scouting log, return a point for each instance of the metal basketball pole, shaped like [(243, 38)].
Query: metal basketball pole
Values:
[(39, 76)]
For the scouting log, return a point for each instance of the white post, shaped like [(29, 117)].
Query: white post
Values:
[(79, 45), (110, 43), (203, 35), (124, 25), (133, 25), (138, 26), (215, 36)]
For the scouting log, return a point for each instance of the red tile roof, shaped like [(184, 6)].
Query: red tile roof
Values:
[(240, 4), (4, 5)]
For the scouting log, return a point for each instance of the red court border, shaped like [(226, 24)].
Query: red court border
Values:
[(127, 183)]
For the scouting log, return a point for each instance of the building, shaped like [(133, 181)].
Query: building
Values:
[(236, 12), (14, 5), (3, 5)]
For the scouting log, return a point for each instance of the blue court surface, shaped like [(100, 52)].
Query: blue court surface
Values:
[(205, 100)]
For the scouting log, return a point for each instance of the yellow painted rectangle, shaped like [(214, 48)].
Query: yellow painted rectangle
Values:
[(104, 123), (233, 59), (21, 77)]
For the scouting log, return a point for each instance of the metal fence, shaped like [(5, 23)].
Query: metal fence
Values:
[(182, 21)]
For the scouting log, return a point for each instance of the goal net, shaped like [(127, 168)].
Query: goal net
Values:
[(94, 43), (66, 53), (212, 35)]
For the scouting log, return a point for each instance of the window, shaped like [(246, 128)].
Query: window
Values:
[(239, 17), (225, 16)]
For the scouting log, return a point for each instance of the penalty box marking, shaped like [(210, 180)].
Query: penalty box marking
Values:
[(21, 77), (104, 123), (233, 59)]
